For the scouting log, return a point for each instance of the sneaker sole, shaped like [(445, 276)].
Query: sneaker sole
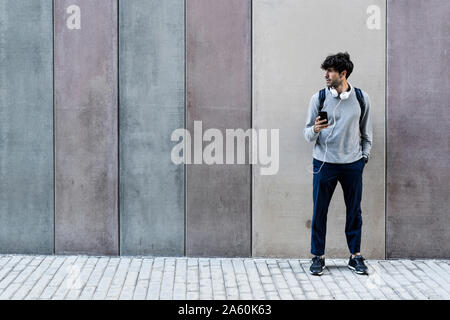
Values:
[(317, 273), (354, 270)]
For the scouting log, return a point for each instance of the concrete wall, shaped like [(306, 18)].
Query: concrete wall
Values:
[(138, 69), (26, 127), (151, 52), (86, 133), (418, 166), (290, 41), (218, 93)]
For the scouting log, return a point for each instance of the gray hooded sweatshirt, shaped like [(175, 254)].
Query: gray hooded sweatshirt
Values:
[(348, 141)]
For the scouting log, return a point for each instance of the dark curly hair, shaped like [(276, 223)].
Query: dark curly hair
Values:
[(340, 62)]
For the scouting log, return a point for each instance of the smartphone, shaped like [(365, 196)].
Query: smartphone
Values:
[(323, 115)]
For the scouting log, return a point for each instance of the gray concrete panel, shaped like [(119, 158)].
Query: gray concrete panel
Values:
[(418, 166), (218, 85), (26, 127), (86, 127), (290, 41), (151, 68)]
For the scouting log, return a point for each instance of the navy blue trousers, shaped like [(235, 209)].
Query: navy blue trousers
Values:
[(349, 176)]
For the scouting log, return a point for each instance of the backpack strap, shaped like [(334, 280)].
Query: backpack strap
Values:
[(321, 99), (361, 101)]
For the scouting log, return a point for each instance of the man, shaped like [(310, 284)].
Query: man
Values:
[(341, 151)]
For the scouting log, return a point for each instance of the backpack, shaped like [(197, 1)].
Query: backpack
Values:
[(359, 96)]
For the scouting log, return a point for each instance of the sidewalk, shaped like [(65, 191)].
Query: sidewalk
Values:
[(180, 278)]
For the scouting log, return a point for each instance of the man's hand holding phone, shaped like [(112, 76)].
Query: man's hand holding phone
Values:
[(320, 124)]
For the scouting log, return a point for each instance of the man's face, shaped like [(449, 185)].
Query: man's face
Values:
[(333, 78)]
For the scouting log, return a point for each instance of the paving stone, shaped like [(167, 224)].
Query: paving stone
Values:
[(185, 278)]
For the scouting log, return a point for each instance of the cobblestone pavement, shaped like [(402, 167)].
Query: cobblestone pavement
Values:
[(186, 278)]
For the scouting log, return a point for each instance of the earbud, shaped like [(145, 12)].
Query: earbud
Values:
[(344, 95)]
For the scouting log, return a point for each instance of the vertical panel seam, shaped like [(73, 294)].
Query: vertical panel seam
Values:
[(185, 127), (251, 126), (118, 128), (385, 125), (53, 133)]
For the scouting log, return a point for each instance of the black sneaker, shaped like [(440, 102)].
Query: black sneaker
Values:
[(317, 266), (357, 264)]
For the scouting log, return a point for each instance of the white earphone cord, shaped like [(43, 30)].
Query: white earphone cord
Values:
[(326, 140)]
